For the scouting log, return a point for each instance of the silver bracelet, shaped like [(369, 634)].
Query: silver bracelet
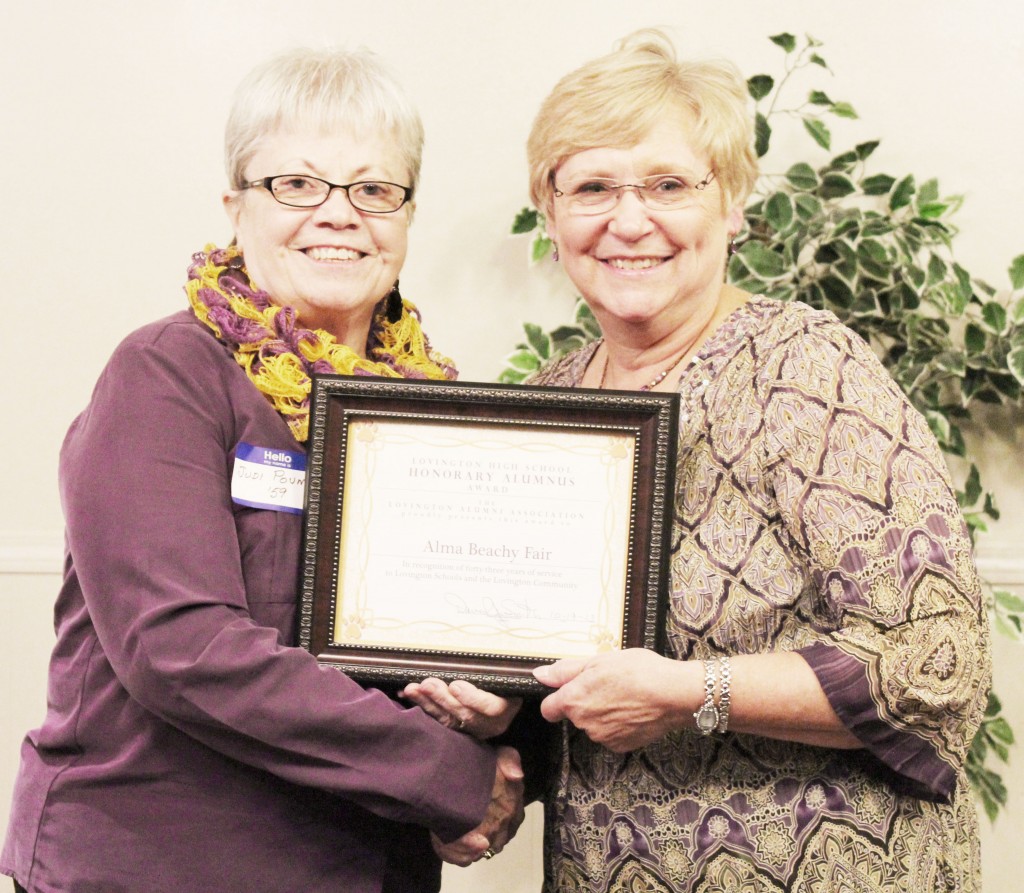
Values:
[(723, 697), (707, 714)]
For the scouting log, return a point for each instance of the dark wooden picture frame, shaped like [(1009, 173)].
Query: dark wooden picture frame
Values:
[(646, 421)]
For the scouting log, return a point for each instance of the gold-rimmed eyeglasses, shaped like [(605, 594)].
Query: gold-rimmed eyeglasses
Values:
[(660, 192)]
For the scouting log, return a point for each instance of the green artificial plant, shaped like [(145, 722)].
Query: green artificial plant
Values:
[(876, 250)]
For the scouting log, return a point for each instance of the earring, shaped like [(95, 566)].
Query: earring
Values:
[(393, 310), (732, 246), (554, 252)]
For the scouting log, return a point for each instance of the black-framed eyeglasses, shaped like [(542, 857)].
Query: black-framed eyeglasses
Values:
[(661, 192), (304, 191)]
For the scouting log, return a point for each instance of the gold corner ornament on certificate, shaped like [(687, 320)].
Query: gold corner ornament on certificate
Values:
[(472, 531)]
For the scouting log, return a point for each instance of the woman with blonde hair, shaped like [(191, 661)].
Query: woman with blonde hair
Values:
[(827, 657)]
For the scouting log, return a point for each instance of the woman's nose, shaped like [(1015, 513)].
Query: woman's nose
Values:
[(630, 218), (337, 210)]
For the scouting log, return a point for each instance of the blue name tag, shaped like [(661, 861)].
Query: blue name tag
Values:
[(267, 478)]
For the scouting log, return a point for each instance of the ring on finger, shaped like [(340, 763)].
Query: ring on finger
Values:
[(489, 853)]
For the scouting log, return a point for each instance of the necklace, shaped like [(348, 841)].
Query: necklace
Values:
[(657, 380), (661, 376)]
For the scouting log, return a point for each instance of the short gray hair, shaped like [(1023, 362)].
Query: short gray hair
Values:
[(330, 89)]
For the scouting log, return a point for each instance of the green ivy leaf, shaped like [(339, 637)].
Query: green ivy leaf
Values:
[(1007, 385), (932, 210), (1003, 627), (991, 509), (975, 521), (878, 184), (1000, 728), (1015, 363), (972, 487), (936, 269), (762, 261), (939, 424), (951, 361), (561, 334), (964, 283), (511, 376), (1017, 311), (538, 340), (846, 161), (865, 150), (849, 224), (875, 225), (874, 259), (778, 211), (843, 110), (974, 338), (803, 177), (929, 191), (808, 208), (903, 193), (835, 185), (541, 247), (1009, 601), (586, 320), (524, 360), (867, 304), (817, 97), (819, 132), (994, 315), (1017, 272), (792, 247), (525, 222), (837, 291), (760, 85), (762, 134), (784, 40), (815, 59)]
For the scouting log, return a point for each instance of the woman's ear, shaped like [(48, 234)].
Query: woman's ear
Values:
[(232, 201), (734, 220), (549, 224)]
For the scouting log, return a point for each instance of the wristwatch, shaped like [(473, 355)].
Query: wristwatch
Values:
[(707, 714)]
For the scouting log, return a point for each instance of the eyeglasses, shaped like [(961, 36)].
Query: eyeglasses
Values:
[(302, 191), (660, 192)]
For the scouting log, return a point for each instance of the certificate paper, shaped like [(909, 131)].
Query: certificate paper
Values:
[(485, 534), (471, 531)]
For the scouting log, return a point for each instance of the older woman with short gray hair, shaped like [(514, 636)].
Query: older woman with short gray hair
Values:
[(189, 744)]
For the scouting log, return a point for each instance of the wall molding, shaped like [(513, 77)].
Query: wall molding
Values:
[(43, 553), (31, 553)]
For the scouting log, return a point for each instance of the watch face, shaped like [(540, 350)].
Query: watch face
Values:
[(707, 719)]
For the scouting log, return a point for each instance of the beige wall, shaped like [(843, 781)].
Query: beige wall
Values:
[(110, 152)]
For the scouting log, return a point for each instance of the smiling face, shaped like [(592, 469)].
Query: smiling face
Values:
[(332, 263), (635, 265)]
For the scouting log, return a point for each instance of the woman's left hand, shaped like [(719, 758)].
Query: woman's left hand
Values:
[(621, 699), (463, 706)]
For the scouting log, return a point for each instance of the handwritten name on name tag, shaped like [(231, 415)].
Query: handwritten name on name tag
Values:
[(267, 478)]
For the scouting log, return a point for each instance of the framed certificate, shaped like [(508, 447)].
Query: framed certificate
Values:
[(472, 531)]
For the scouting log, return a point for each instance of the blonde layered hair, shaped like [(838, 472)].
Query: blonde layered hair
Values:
[(329, 89), (617, 99)]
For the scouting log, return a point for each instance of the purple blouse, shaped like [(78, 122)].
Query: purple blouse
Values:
[(188, 744)]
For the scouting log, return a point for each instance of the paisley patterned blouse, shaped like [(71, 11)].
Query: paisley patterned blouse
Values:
[(813, 512)]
